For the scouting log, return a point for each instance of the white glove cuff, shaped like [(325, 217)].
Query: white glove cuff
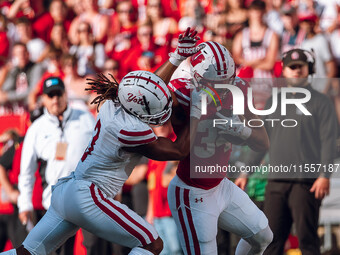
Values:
[(195, 112), (175, 59), (245, 133)]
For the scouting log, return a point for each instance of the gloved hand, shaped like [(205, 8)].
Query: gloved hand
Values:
[(234, 127), (186, 47)]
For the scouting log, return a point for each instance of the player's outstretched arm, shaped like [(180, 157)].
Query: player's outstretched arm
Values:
[(163, 149), (186, 47)]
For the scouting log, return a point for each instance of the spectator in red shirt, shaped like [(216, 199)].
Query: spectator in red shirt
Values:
[(4, 49), (20, 8), (4, 42), (5, 6), (43, 25), (59, 40), (122, 31), (164, 28), (145, 54), (10, 226)]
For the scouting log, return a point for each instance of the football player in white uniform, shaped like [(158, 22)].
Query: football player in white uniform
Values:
[(121, 136), (200, 202)]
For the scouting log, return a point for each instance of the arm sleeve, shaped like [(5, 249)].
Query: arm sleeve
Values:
[(133, 137), (327, 132), (28, 166)]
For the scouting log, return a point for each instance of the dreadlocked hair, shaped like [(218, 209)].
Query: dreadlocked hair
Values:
[(104, 87)]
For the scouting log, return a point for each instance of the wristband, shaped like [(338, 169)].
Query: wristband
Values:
[(175, 59), (195, 112), (245, 133)]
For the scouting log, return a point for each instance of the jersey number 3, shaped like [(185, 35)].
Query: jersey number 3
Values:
[(90, 148)]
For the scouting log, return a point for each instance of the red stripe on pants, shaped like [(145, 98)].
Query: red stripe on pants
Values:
[(181, 220), (115, 217), (191, 223)]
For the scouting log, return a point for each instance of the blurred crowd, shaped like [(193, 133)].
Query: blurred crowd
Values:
[(75, 39)]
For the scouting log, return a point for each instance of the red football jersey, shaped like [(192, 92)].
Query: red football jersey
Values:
[(209, 148)]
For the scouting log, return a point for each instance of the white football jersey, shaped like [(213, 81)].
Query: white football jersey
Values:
[(104, 162)]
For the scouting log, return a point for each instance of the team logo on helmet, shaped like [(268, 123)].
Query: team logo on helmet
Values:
[(135, 99), (197, 58), (212, 65)]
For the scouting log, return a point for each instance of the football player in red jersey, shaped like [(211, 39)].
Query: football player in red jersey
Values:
[(122, 135), (200, 202)]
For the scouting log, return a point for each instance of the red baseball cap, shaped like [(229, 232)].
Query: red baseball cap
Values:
[(308, 16)]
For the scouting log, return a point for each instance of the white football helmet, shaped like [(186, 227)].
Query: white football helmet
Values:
[(213, 63), (146, 96)]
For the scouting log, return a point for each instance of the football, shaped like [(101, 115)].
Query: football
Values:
[(230, 138)]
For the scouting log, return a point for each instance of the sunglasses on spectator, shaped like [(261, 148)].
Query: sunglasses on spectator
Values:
[(154, 5), (82, 30), (145, 34), (57, 93), (293, 67), (109, 68), (125, 11), (288, 14), (67, 64)]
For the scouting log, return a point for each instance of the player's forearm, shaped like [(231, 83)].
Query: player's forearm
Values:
[(165, 71), (178, 149), (258, 140)]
